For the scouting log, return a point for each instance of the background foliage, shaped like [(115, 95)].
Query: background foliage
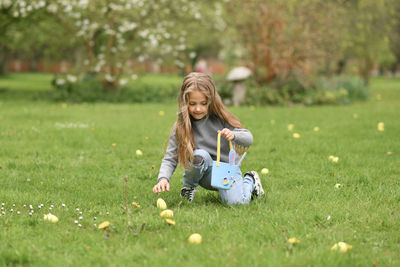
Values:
[(283, 44)]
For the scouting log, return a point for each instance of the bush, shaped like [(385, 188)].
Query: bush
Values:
[(336, 90), (90, 89)]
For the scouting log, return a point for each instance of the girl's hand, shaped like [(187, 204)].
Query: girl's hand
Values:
[(161, 186), (227, 134)]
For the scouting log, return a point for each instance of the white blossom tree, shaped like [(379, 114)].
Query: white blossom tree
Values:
[(113, 33), (12, 14)]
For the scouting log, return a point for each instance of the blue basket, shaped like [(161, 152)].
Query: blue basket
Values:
[(223, 174)]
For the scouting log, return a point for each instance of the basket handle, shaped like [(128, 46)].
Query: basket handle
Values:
[(219, 148)]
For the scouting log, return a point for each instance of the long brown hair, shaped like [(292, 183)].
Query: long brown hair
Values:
[(203, 83)]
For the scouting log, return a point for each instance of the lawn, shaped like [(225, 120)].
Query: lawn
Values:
[(79, 155)]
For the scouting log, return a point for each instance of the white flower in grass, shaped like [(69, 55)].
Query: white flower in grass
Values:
[(79, 225), (76, 221), (80, 218), (63, 205)]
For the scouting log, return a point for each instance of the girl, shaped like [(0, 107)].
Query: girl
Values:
[(193, 143)]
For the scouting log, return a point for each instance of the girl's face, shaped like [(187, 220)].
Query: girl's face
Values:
[(197, 105)]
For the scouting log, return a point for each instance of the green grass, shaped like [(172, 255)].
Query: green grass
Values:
[(43, 162)]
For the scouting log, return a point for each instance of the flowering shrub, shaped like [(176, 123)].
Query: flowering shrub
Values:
[(91, 89), (336, 90)]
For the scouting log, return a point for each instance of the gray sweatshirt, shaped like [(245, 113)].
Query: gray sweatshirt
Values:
[(205, 135)]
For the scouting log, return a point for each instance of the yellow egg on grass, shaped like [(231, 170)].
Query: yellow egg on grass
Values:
[(316, 129), (264, 171), (342, 247), (195, 238), (161, 204), (333, 159), (104, 225), (293, 240), (135, 204), (290, 127), (167, 214), (296, 135), (337, 186), (139, 152), (381, 126), (53, 219), (170, 222), (50, 217), (161, 113)]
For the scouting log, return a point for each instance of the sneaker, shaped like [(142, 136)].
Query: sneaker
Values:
[(188, 192), (258, 189)]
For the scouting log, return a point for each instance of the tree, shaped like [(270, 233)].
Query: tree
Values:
[(284, 39), (13, 14), (365, 33), (114, 33)]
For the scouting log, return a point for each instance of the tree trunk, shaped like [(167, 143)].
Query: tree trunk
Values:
[(3, 60)]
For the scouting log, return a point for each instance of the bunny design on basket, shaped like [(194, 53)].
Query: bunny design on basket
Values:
[(223, 173)]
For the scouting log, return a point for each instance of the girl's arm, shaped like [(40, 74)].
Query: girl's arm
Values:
[(243, 137), (168, 165)]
